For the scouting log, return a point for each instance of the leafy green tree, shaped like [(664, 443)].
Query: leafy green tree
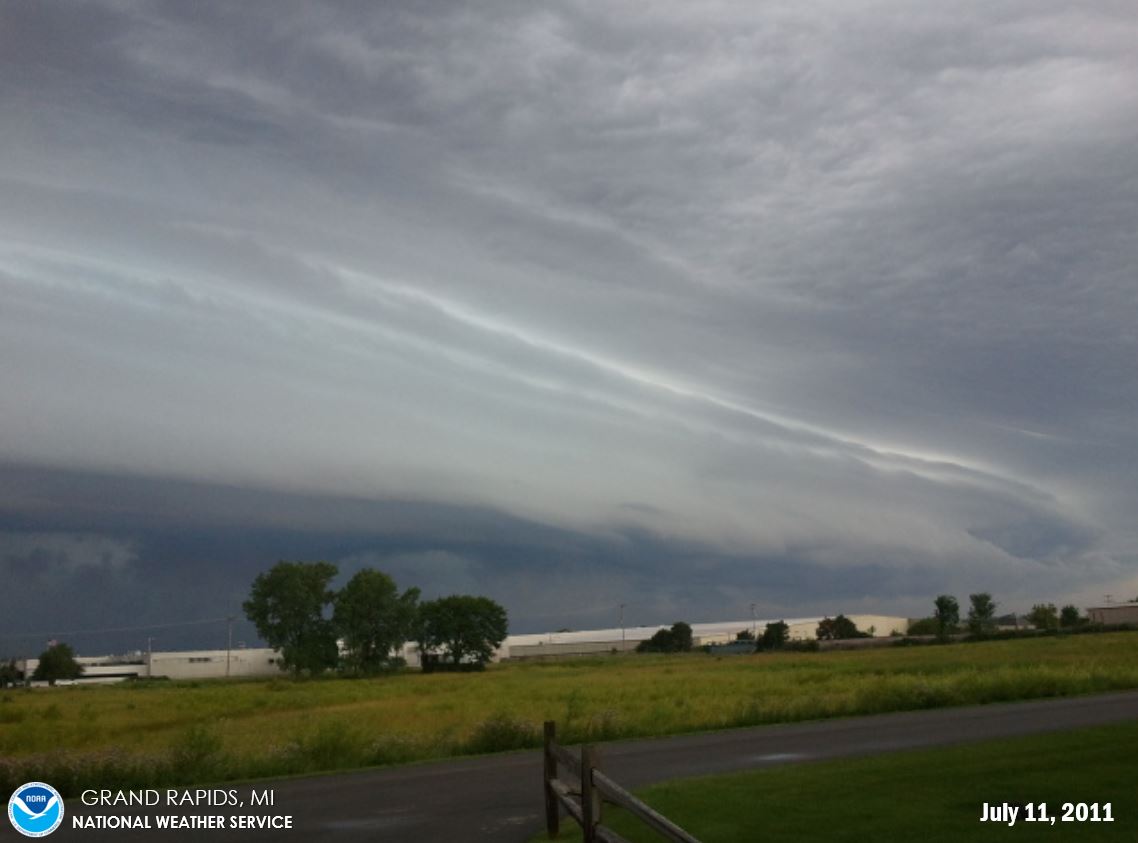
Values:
[(57, 662), (288, 606), (947, 615), (744, 635), (660, 642), (923, 626), (1044, 616), (9, 675), (981, 614), (1069, 617), (774, 637), (465, 628), (837, 629), (681, 637), (677, 639), (374, 620)]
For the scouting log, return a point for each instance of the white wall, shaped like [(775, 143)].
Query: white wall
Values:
[(212, 664)]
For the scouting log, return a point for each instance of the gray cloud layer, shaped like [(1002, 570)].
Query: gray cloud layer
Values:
[(838, 286)]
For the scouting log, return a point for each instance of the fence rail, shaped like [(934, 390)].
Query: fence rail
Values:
[(583, 795)]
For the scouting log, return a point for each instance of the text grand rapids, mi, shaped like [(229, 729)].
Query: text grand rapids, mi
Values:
[(215, 798)]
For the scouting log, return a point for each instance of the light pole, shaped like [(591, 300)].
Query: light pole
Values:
[(229, 644), (149, 656), (622, 627), (754, 623)]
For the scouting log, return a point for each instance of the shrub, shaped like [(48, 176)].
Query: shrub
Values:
[(923, 626), (196, 755), (394, 749), (330, 746), (1044, 616), (678, 639), (838, 629), (774, 636), (501, 733)]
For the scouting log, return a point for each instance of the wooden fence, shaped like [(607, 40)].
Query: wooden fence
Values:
[(582, 796)]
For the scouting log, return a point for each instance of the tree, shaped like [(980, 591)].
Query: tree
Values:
[(678, 639), (923, 626), (9, 674), (1044, 616), (947, 615), (57, 662), (981, 614), (468, 629), (1069, 616), (838, 629), (660, 642), (774, 637), (681, 637), (287, 604), (374, 620), (744, 635)]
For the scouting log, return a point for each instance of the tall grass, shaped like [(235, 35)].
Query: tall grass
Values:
[(177, 733)]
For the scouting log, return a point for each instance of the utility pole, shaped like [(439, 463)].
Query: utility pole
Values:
[(622, 627), (229, 645), (754, 623), (149, 656)]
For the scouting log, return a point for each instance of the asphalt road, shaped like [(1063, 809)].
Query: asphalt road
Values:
[(500, 797)]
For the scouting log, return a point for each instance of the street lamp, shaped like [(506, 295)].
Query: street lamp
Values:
[(229, 645)]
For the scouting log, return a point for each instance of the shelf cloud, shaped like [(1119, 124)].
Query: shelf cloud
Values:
[(816, 306)]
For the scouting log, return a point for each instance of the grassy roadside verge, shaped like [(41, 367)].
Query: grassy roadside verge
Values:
[(179, 733), (934, 796)]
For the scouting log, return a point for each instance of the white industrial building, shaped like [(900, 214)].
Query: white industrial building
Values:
[(251, 662), (214, 664), (594, 641), (1114, 613), (185, 664)]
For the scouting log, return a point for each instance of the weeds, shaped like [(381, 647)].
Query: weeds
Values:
[(331, 745), (189, 733), (197, 755), (501, 733)]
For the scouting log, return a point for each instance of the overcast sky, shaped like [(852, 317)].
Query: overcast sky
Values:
[(823, 306)]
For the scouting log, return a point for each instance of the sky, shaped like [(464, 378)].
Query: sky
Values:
[(822, 307)]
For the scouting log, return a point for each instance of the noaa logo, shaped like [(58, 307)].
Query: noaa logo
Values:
[(35, 809)]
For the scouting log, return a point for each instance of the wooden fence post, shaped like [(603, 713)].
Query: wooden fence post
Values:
[(590, 810), (552, 814)]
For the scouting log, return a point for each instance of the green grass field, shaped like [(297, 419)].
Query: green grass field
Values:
[(183, 732), (934, 796)]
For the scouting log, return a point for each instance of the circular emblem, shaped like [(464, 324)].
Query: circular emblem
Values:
[(35, 809)]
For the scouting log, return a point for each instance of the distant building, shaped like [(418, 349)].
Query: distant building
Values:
[(1114, 613), (186, 664), (599, 641), (214, 664), (242, 662), (96, 669)]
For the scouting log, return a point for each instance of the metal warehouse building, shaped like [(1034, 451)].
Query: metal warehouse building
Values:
[(188, 664), (594, 641), (1114, 613), (244, 662)]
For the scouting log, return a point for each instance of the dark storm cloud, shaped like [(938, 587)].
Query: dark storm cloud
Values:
[(839, 300)]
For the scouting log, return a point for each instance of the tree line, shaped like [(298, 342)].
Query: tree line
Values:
[(981, 619), (361, 628), (776, 636)]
